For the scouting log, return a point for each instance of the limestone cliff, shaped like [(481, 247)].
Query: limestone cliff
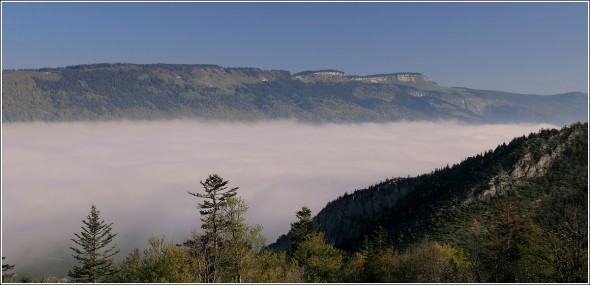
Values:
[(392, 78), (163, 91)]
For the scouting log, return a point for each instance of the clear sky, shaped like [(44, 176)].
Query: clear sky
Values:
[(539, 48)]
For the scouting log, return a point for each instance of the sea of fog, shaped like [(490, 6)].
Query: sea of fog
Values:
[(138, 174)]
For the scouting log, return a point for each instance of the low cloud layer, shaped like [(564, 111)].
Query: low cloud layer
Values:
[(138, 174)]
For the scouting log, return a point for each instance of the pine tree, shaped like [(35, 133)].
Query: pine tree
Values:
[(93, 250), (378, 254), (301, 229), (215, 199)]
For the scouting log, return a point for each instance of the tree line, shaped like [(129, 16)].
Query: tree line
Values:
[(227, 249), (535, 232), (159, 91)]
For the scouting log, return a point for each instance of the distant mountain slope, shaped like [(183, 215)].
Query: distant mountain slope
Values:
[(532, 173), (157, 91)]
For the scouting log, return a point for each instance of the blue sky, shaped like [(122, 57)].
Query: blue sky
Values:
[(539, 48)]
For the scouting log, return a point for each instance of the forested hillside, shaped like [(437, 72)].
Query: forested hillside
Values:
[(163, 91), (518, 212), (514, 214)]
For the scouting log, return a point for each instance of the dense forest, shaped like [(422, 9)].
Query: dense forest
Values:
[(165, 91), (514, 214)]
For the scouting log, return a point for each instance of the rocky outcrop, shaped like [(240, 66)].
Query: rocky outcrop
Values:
[(528, 166), (319, 73), (392, 78), (416, 204), (165, 91), (343, 218)]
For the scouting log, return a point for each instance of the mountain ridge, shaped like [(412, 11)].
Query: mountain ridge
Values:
[(162, 91), (529, 171)]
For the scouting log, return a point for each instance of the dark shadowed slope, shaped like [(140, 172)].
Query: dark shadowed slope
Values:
[(530, 173)]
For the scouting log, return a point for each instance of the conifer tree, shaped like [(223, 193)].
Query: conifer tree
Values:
[(301, 229), (214, 200), (376, 249), (93, 250)]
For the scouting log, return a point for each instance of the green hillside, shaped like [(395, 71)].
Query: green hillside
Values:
[(518, 213), (521, 207), (165, 91)]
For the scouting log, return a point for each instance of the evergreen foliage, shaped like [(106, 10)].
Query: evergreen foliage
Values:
[(301, 229), (238, 255), (378, 255), (446, 229), (222, 218), (93, 250), (532, 227), (214, 199)]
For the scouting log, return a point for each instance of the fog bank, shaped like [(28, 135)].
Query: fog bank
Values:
[(138, 174)]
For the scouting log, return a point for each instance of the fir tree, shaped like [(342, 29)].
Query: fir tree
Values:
[(301, 229), (93, 250)]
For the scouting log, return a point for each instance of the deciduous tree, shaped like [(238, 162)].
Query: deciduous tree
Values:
[(239, 238), (162, 262), (322, 262)]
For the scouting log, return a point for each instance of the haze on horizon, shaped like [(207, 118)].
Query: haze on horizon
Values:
[(138, 174), (529, 48)]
